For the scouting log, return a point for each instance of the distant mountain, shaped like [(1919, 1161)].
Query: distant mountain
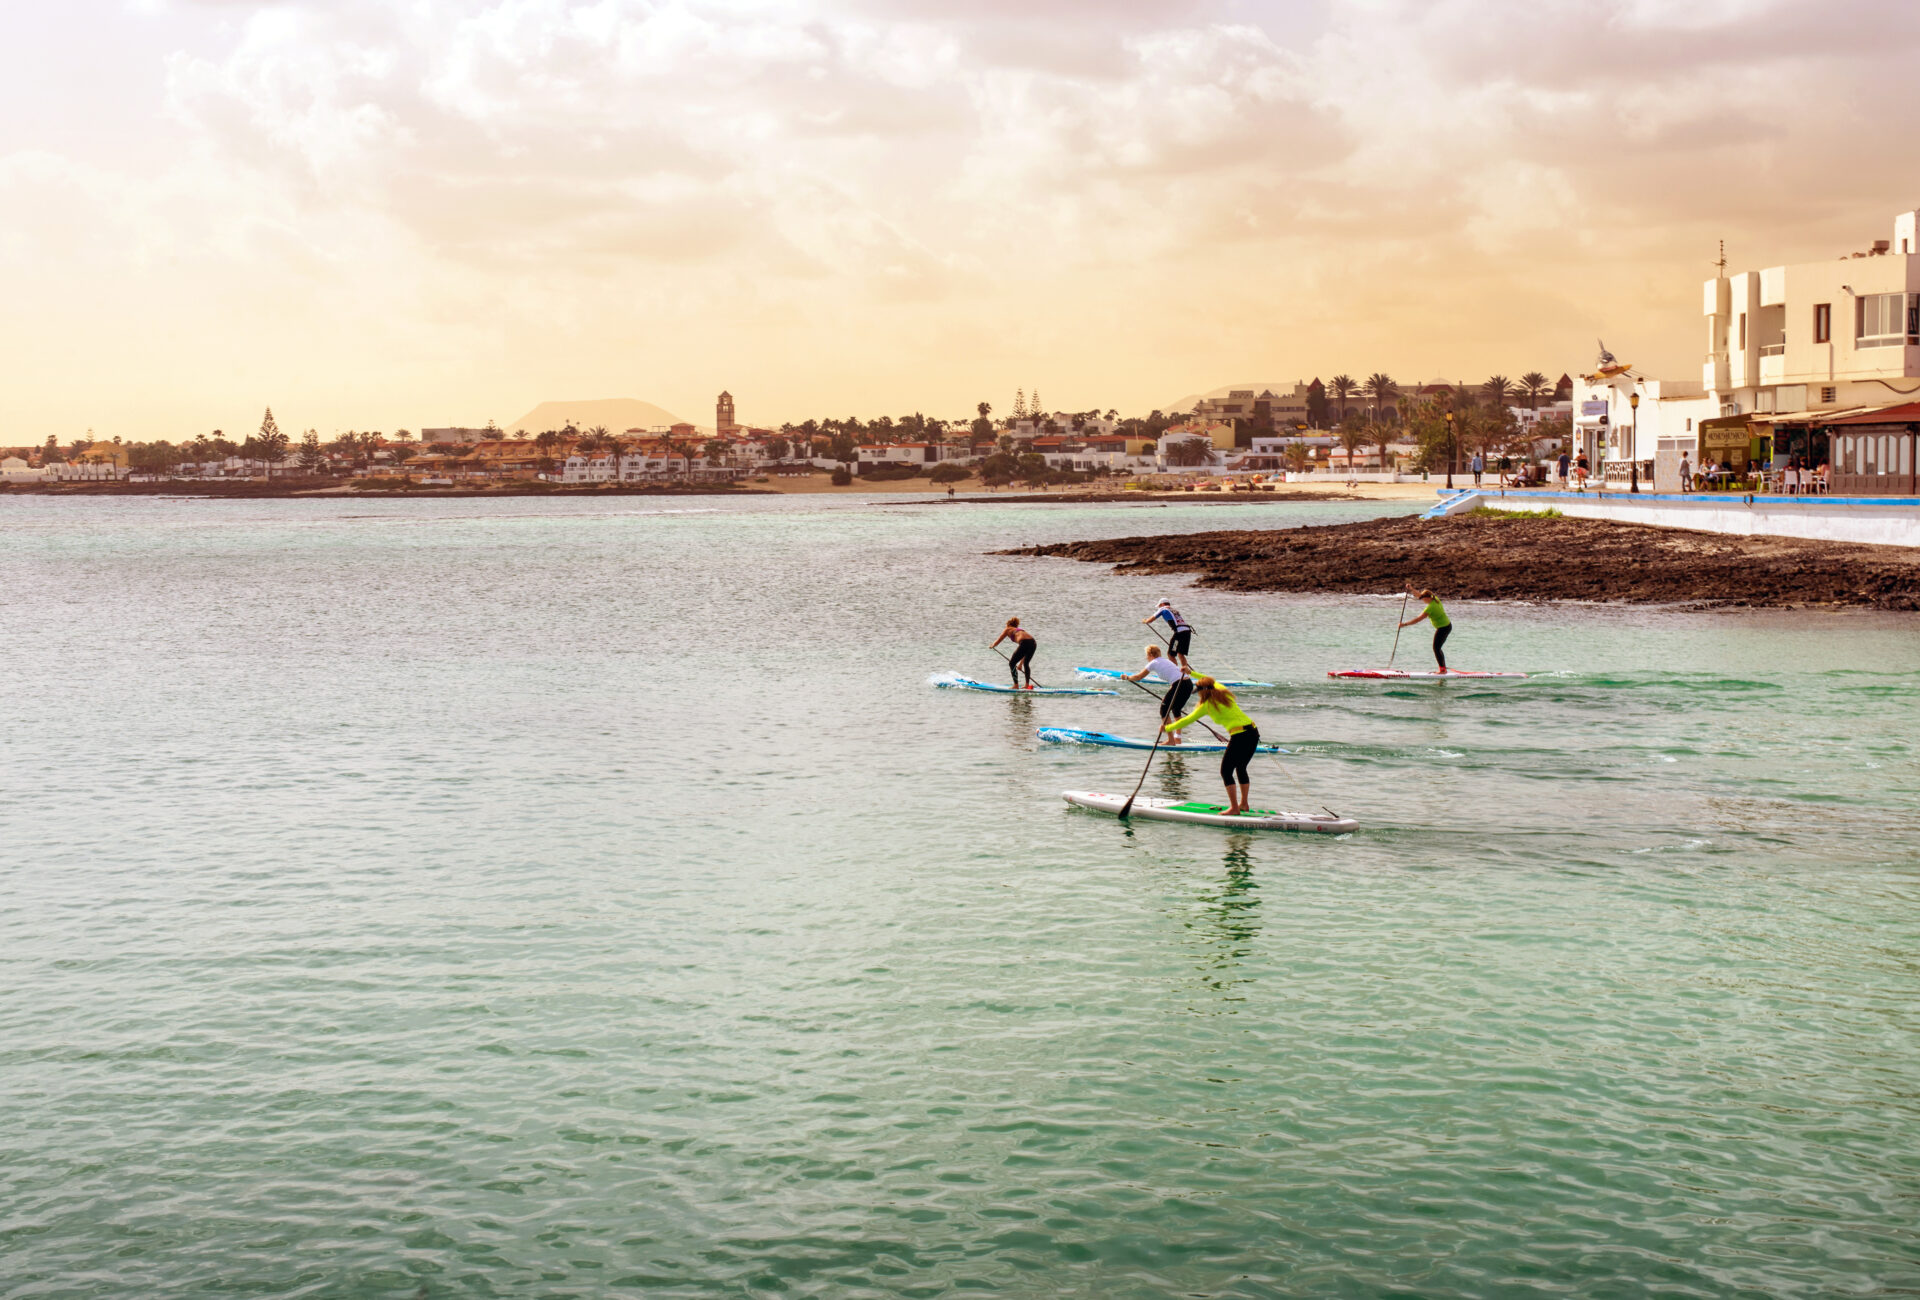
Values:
[(618, 414)]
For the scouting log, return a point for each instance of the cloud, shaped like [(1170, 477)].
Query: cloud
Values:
[(794, 197)]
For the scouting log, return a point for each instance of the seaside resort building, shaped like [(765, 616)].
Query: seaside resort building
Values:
[(1819, 361)]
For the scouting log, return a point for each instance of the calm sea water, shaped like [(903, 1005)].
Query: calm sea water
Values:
[(587, 898)]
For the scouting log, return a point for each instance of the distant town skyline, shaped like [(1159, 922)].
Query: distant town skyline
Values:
[(393, 216)]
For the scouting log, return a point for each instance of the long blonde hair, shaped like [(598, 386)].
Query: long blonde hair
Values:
[(1211, 691)]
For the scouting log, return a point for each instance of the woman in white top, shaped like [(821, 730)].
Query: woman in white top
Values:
[(1179, 686)]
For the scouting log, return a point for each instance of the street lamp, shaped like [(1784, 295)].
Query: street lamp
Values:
[(1450, 455), (1633, 451)]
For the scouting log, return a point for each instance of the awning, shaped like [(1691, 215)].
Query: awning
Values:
[(1905, 413), (1840, 415)]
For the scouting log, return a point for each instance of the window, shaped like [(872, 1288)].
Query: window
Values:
[(1884, 319), (1743, 331), (1826, 396), (1823, 322)]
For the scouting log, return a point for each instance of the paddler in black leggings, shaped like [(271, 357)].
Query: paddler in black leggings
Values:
[(1442, 625), (1023, 647), (1243, 739), (1179, 685)]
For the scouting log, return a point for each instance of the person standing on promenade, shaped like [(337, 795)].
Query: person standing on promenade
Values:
[(1243, 739), (1564, 460), (1479, 467), (1686, 472), (1179, 685), (1442, 625), (1182, 637), (1023, 647)]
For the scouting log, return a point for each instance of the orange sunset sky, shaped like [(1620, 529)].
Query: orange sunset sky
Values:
[(419, 212)]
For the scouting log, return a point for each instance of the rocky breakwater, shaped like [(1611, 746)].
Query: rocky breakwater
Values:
[(1524, 557)]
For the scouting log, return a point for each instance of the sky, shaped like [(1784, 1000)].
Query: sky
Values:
[(377, 214)]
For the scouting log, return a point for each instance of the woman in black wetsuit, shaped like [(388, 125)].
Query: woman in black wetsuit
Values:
[(1023, 647)]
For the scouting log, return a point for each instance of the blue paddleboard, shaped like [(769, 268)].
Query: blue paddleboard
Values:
[(1114, 674), (1069, 736), (955, 682)]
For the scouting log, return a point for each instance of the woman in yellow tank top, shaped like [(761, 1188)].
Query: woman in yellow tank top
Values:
[(1243, 739)]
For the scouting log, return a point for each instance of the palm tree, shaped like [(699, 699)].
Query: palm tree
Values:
[(1343, 387), (1497, 388), (1189, 452), (985, 409), (1381, 437), (1352, 438), (1532, 384), (1383, 391)]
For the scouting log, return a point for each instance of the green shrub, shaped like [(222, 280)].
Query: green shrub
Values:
[(840, 477), (1489, 512), (950, 473)]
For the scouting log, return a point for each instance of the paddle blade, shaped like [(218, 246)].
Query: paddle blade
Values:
[(1126, 808)]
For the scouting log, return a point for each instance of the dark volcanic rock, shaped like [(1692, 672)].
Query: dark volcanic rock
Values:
[(1481, 557)]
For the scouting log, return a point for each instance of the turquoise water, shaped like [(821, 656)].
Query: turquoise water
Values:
[(592, 898)]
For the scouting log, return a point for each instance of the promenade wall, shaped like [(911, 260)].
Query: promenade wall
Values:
[(1881, 521)]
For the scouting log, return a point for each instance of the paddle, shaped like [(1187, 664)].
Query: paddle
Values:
[(1404, 597), (1127, 807)]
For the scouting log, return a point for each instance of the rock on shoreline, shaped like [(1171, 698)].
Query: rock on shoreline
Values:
[(1518, 557)]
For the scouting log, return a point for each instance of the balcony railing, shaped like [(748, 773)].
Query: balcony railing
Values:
[(1773, 349)]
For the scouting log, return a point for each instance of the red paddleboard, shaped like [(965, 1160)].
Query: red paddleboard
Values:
[(1402, 675)]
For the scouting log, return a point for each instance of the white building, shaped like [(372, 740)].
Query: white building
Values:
[(589, 467), (915, 453), (1790, 349), (640, 464), (86, 471)]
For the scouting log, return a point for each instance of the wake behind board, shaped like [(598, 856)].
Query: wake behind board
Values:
[(1211, 814), (1070, 736), (1402, 675), (955, 682), (1114, 674)]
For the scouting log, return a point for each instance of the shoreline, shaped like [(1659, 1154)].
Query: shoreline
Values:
[(253, 489), (335, 490), (1524, 558)]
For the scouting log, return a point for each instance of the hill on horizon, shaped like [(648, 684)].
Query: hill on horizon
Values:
[(617, 413)]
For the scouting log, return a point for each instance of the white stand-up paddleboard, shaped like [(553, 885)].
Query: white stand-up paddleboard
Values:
[(1211, 814), (954, 682), (1070, 736), (1402, 675), (1114, 674)]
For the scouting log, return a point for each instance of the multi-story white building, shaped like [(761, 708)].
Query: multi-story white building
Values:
[(1791, 351)]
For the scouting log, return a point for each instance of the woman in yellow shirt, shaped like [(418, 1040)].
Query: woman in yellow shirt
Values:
[(1243, 738)]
